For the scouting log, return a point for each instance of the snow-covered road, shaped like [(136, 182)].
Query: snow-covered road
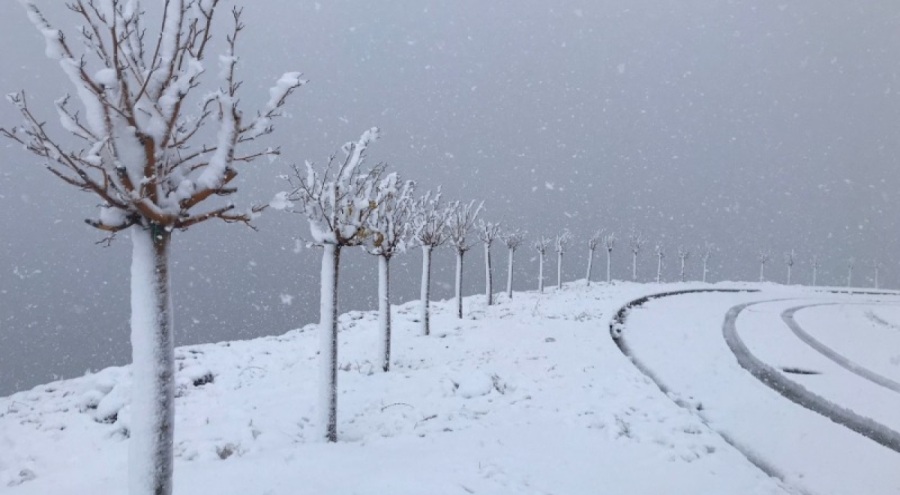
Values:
[(806, 449)]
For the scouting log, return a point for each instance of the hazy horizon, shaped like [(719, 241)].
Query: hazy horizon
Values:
[(750, 126)]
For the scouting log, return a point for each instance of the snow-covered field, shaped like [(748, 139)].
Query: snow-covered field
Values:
[(527, 396)]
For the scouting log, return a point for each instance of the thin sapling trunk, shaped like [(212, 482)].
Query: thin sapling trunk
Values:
[(459, 282), (384, 310), (328, 341), (509, 274), (153, 370), (425, 290), (488, 276)]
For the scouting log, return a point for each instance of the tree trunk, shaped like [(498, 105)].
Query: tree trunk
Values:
[(762, 272), (876, 278), (425, 292), (384, 310), (850, 277), (488, 276), (459, 282), (634, 267), (153, 365), (559, 257), (590, 267), (658, 269), (705, 263), (608, 266), (328, 342), (790, 269), (509, 274), (541, 273), (682, 269), (815, 275)]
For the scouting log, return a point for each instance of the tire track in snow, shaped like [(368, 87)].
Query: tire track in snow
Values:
[(616, 328), (788, 317), (799, 394), (880, 321)]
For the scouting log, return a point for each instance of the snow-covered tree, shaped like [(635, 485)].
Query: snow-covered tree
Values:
[(390, 232), (684, 254), (429, 232), (338, 201), (789, 260), (513, 239), (459, 225), (636, 241), (541, 244), (592, 244), (763, 257), (850, 264), (816, 264), (660, 255), (152, 147), (705, 254), (609, 242), (487, 232), (560, 245)]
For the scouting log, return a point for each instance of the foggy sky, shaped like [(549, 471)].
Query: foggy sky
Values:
[(752, 125)]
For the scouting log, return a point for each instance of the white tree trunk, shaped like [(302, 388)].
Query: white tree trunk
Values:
[(876, 278), (608, 266), (384, 310), (153, 365), (658, 269), (815, 275), (559, 257), (541, 273), (459, 282), (705, 271), (488, 276), (509, 274), (634, 267), (682, 269), (762, 272), (425, 291), (328, 342), (590, 267), (850, 277), (790, 270)]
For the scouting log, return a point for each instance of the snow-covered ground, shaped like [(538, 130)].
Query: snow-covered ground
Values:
[(527, 396)]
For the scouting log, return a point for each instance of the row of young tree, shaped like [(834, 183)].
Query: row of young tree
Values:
[(153, 162), (764, 257)]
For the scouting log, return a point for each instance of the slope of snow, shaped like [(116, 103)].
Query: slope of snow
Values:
[(528, 396)]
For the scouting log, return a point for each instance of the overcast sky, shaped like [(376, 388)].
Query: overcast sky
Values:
[(752, 125)]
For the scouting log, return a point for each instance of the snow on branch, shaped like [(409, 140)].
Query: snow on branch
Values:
[(460, 223), (143, 153), (513, 238), (609, 241), (338, 199), (541, 244), (390, 223), (562, 241), (430, 220), (488, 231), (594, 240), (636, 241)]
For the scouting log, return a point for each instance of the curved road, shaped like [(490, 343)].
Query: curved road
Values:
[(776, 380), (788, 317), (785, 438)]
